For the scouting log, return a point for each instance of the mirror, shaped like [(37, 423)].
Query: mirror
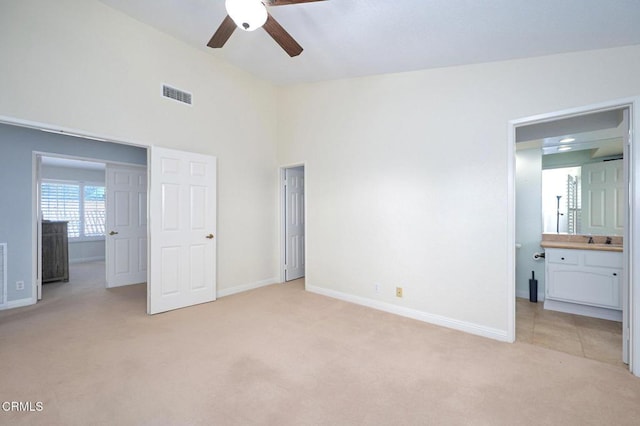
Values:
[(586, 199), (561, 200)]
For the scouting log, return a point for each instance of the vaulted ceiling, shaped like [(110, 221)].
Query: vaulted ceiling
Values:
[(350, 38)]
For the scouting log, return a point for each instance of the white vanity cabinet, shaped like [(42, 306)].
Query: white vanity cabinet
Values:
[(586, 277)]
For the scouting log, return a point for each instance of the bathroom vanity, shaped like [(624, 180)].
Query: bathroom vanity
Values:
[(584, 279)]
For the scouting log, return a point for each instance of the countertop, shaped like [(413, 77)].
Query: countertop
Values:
[(581, 246)]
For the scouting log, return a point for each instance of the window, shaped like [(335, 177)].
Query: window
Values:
[(561, 200), (81, 204)]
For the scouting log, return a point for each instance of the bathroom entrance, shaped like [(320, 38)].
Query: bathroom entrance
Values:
[(572, 217)]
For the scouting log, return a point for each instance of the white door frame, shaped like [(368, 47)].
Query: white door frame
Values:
[(631, 237), (36, 178), (283, 219), (47, 127)]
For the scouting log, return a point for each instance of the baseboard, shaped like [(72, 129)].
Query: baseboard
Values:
[(18, 303), (479, 330), (589, 311), (245, 287), (86, 260), (125, 285), (524, 294)]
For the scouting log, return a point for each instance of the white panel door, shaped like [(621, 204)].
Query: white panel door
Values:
[(294, 223), (126, 225), (603, 198), (183, 226)]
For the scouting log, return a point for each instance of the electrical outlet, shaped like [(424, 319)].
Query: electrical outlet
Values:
[(19, 285), (377, 288), (398, 291)]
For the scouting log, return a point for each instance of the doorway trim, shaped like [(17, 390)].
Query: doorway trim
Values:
[(283, 220), (632, 242)]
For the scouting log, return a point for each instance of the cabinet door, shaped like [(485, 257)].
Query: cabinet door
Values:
[(48, 256), (57, 255), (589, 286)]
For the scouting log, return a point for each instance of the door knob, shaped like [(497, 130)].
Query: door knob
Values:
[(210, 236), (112, 233)]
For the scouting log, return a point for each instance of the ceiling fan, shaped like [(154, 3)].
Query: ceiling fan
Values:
[(250, 15)]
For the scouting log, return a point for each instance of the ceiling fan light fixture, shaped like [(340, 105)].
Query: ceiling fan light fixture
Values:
[(248, 15)]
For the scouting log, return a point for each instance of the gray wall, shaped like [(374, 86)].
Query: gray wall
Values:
[(529, 220), (72, 173), (16, 147)]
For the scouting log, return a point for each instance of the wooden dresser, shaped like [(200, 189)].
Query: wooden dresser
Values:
[(55, 252)]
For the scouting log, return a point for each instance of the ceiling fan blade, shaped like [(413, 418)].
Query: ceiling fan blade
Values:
[(223, 33), (286, 2), (282, 37)]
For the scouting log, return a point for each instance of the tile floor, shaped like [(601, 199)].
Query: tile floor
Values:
[(574, 334)]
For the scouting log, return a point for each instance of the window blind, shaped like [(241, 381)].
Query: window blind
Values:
[(83, 206)]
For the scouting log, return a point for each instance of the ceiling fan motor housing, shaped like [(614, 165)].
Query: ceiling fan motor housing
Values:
[(247, 14)]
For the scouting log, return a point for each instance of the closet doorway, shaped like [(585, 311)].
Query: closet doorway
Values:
[(293, 220)]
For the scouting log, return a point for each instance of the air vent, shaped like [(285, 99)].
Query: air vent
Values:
[(176, 94)]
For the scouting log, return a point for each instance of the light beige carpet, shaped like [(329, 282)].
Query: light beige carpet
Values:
[(281, 356)]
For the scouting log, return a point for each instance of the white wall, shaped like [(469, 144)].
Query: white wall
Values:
[(407, 177), (529, 220), (81, 65)]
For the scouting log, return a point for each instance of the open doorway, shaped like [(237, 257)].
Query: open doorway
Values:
[(173, 175), (573, 239), (293, 221), (91, 224), (71, 202)]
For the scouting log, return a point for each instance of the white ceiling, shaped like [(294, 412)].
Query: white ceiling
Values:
[(602, 133), (351, 38)]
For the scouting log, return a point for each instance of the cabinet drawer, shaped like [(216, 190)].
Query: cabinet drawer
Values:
[(565, 257), (603, 259), (54, 227)]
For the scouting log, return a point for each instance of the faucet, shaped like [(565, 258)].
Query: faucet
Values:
[(608, 241), (590, 240)]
